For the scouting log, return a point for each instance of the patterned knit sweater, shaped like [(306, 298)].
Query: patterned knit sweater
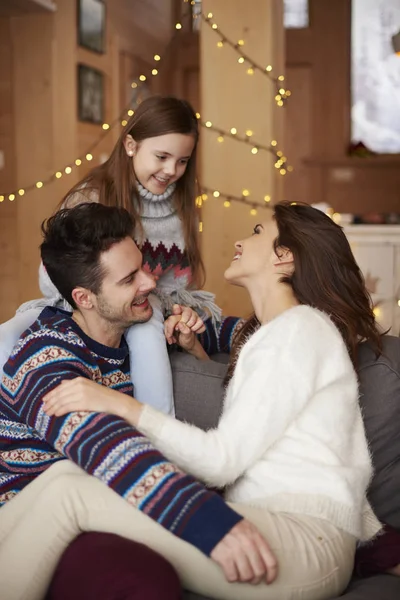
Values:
[(54, 349)]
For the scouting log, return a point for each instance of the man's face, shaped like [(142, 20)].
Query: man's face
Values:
[(122, 300)]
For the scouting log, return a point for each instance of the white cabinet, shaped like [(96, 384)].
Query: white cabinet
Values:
[(377, 251)]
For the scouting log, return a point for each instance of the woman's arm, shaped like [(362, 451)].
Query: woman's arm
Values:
[(261, 408)]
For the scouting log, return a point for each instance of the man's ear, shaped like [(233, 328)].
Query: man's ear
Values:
[(83, 298), (284, 256), (130, 145)]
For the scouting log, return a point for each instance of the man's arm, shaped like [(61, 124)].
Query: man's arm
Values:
[(107, 447)]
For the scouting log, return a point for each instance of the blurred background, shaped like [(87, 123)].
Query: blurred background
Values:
[(296, 100)]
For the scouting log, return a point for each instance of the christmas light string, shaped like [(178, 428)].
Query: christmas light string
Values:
[(282, 94), (122, 119)]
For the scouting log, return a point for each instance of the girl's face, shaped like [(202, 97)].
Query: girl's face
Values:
[(160, 161), (255, 258)]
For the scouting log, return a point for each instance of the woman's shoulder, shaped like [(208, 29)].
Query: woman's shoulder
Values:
[(305, 324)]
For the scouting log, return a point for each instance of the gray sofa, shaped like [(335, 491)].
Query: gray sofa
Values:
[(198, 398)]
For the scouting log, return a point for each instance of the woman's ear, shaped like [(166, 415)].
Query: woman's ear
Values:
[(130, 145), (284, 256)]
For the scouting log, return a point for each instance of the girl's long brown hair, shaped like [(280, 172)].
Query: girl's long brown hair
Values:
[(326, 276), (115, 180)]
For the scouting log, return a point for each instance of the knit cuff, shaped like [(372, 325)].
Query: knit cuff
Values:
[(206, 527)]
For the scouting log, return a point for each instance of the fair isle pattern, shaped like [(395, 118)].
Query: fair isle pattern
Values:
[(14, 431), (149, 483), (46, 356), (55, 349), (163, 243), (159, 260)]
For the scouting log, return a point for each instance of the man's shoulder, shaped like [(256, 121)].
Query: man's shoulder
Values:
[(51, 337), (53, 327)]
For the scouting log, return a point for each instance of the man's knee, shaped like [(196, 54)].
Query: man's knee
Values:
[(109, 567)]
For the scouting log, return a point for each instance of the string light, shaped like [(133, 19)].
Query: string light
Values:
[(280, 159), (229, 198), (106, 128), (282, 94)]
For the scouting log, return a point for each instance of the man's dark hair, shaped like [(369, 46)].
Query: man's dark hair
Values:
[(74, 239)]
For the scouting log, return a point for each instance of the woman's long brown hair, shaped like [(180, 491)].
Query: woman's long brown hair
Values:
[(115, 180), (326, 276)]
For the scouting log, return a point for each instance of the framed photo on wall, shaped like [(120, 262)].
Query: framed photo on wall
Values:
[(91, 24), (90, 94)]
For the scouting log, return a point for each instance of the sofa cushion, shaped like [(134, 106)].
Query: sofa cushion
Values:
[(198, 389), (380, 404), (379, 587)]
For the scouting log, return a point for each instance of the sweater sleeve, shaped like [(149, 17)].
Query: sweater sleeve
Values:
[(219, 338), (273, 387), (108, 448)]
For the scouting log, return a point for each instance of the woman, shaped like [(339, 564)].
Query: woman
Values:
[(290, 449)]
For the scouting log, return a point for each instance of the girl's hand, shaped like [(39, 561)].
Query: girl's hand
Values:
[(184, 333), (81, 394), (184, 320)]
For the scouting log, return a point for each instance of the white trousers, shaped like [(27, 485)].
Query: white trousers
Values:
[(36, 526)]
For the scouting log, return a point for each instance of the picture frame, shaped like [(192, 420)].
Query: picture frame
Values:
[(90, 94), (91, 16)]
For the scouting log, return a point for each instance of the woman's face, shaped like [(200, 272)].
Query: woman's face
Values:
[(255, 257), (160, 161)]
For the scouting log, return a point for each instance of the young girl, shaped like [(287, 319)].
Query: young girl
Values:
[(290, 448), (151, 172)]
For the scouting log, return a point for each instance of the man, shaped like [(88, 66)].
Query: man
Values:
[(91, 258)]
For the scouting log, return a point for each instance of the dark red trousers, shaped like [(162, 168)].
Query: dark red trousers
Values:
[(102, 566)]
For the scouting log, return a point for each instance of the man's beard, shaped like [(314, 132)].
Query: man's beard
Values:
[(117, 318)]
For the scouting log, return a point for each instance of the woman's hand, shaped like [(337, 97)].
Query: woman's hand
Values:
[(81, 394), (181, 328)]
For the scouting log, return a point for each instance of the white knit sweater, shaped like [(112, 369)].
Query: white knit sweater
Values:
[(291, 436)]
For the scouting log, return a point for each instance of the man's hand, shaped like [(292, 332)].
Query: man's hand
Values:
[(245, 556), (394, 570)]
